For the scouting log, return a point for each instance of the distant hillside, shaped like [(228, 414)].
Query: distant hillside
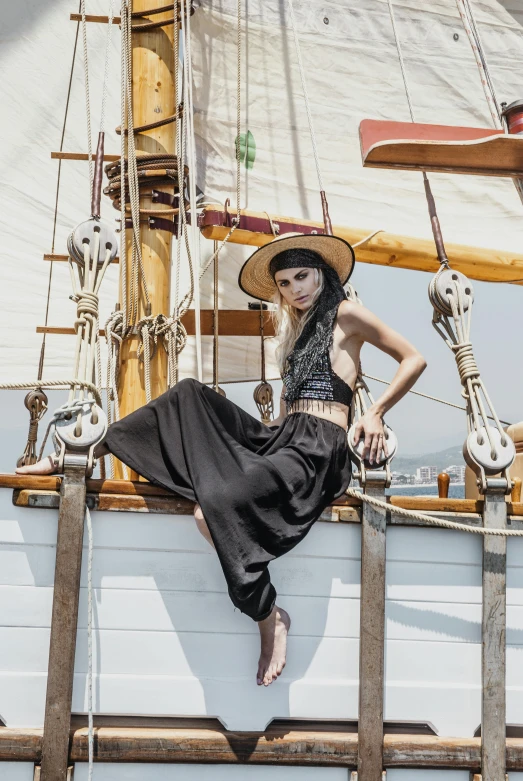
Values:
[(440, 459)]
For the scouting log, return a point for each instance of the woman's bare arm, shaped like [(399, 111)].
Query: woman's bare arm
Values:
[(359, 322), (283, 411)]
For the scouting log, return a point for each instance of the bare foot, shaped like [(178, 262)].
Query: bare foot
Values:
[(47, 466), (273, 633)]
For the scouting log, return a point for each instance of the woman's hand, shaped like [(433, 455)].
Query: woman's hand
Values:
[(370, 429)]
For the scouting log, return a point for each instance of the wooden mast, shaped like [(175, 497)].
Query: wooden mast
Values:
[(153, 98)]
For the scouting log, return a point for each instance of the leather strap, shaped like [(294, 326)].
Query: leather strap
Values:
[(254, 224)]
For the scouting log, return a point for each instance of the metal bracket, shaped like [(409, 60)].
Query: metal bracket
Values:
[(493, 661), (372, 630), (57, 722)]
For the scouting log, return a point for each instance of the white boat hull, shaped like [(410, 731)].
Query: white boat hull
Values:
[(168, 642)]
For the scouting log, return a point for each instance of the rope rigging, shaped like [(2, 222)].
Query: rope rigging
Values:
[(472, 30), (488, 450)]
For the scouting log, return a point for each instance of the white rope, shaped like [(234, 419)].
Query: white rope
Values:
[(431, 519), (54, 384), (367, 238), (106, 65), (188, 109), (472, 30), (238, 103), (305, 95), (114, 339), (469, 24), (87, 98), (90, 731), (123, 121), (400, 57)]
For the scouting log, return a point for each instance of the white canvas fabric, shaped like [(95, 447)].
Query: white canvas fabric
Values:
[(352, 73)]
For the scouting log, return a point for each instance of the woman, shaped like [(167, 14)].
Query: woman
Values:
[(259, 489)]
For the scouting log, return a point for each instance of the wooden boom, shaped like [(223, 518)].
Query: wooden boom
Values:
[(384, 249)]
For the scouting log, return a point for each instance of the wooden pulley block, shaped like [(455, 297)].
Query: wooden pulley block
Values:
[(36, 400), (96, 233), (443, 284), (263, 395)]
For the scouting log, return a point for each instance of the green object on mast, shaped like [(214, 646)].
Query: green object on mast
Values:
[(247, 148)]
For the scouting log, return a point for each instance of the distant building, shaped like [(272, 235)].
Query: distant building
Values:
[(427, 474), (456, 472)]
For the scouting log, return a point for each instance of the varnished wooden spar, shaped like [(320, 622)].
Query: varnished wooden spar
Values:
[(384, 249), (462, 510), (277, 745)]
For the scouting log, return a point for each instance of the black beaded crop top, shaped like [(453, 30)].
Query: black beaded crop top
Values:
[(322, 385)]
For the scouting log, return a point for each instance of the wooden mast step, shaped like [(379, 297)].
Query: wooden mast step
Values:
[(419, 147)]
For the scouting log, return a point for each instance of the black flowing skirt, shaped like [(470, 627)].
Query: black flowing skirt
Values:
[(260, 488)]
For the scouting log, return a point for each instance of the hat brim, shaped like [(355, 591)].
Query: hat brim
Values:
[(256, 281)]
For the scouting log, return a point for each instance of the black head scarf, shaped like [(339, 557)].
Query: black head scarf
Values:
[(316, 337)]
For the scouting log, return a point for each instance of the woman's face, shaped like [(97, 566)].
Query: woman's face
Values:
[(297, 286)]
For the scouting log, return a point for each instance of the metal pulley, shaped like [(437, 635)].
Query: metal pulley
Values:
[(78, 427), (448, 282), (356, 450), (96, 233), (489, 451)]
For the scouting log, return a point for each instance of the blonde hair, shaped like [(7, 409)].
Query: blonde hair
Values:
[(289, 321)]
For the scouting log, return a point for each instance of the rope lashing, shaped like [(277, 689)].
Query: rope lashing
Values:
[(451, 295), (434, 521), (172, 334), (36, 402)]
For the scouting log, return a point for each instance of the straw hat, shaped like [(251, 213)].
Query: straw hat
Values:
[(255, 278)]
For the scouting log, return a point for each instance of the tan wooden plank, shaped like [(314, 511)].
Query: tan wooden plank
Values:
[(387, 249)]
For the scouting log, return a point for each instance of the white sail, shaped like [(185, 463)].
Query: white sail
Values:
[(35, 60), (352, 73)]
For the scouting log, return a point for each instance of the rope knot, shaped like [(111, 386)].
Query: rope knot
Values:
[(466, 363), (87, 305)]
